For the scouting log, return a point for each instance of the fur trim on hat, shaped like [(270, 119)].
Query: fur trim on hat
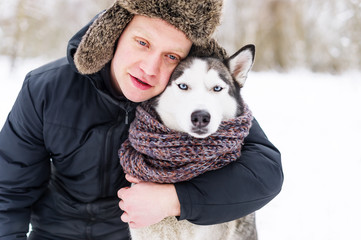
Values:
[(197, 19), (98, 44), (209, 49)]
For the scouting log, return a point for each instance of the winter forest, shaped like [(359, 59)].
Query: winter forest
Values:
[(304, 90), (323, 36)]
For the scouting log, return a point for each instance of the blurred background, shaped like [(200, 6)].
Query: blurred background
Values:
[(323, 36), (304, 89)]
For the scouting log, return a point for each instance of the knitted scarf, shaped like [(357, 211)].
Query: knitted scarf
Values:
[(155, 153)]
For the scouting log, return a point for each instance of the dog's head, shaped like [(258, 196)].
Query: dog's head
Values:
[(202, 92)]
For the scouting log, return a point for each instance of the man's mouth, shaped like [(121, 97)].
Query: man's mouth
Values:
[(139, 83)]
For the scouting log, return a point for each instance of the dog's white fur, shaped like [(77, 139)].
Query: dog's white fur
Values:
[(200, 88), (176, 105), (172, 229)]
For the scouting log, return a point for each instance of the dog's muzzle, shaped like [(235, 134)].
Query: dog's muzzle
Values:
[(200, 120)]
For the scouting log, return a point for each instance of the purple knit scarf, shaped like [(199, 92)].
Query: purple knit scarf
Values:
[(155, 153)]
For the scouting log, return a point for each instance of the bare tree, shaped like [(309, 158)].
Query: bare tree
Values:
[(42, 28), (319, 35)]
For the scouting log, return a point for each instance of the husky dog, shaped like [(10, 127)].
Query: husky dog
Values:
[(202, 92)]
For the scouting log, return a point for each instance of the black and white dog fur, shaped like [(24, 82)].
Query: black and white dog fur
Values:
[(201, 93)]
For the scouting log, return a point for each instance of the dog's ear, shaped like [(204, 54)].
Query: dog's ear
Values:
[(241, 62)]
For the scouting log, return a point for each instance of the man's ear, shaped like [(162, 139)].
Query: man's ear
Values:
[(241, 62)]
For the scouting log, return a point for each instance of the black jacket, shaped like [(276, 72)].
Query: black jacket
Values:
[(60, 171)]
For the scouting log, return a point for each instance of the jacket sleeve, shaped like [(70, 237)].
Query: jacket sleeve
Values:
[(24, 164), (236, 190)]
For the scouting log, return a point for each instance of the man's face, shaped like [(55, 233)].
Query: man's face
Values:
[(148, 50)]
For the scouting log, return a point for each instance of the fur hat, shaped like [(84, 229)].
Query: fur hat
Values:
[(197, 19)]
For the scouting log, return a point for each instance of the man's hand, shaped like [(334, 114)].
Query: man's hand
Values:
[(147, 203)]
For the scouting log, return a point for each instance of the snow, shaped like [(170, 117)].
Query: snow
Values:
[(11, 79), (315, 121)]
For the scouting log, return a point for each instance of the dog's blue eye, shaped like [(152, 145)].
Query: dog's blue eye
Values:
[(183, 86), (217, 89)]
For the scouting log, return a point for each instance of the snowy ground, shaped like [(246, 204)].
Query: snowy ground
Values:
[(315, 120)]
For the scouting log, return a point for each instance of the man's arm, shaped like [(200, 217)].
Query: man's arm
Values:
[(236, 190), (23, 171), (217, 196)]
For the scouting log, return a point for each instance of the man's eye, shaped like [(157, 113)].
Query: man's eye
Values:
[(172, 57), (142, 43), (217, 89), (183, 86)]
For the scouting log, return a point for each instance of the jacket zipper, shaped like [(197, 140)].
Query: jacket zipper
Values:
[(108, 153), (104, 185), (126, 117)]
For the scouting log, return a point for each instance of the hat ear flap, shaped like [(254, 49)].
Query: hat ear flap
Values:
[(98, 44), (241, 63)]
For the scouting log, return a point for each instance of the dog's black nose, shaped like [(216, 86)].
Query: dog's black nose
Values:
[(200, 118)]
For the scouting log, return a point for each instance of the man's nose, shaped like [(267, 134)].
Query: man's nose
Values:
[(151, 64)]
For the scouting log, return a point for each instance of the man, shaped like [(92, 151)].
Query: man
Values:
[(59, 168)]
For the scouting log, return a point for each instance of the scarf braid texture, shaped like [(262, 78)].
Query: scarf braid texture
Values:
[(155, 153)]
